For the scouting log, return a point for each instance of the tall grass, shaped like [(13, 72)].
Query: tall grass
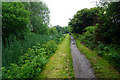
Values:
[(15, 48), (31, 63)]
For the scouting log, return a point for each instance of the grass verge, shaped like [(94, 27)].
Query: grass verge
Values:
[(60, 64), (101, 67)]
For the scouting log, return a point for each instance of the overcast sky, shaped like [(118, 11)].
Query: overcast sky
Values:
[(62, 10)]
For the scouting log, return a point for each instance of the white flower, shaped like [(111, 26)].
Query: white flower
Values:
[(104, 12)]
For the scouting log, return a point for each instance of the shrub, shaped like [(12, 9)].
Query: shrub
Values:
[(109, 52), (32, 62), (88, 36)]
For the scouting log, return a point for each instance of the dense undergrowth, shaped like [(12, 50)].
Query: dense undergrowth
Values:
[(30, 63), (98, 29), (27, 39), (102, 68), (15, 48), (110, 52)]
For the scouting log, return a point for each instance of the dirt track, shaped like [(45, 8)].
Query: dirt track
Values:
[(81, 65)]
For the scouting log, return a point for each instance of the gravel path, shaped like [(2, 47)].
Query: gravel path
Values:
[(81, 65)]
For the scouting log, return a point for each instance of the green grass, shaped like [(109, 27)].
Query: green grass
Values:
[(60, 64), (101, 66)]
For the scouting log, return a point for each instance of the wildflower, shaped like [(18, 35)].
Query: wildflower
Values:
[(104, 12)]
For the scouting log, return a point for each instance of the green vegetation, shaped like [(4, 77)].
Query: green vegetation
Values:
[(27, 41), (31, 63), (97, 28), (14, 19), (64, 30), (108, 24), (101, 66), (59, 29), (83, 18), (53, 30), (39, 16), (60, 64), (16, 48)]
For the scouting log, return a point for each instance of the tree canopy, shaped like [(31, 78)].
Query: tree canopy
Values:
[(19, 18), (39, 17), (15, 19), (83, 18), (108, 24)]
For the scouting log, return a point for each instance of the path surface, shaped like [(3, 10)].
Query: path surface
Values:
[(81, 65)]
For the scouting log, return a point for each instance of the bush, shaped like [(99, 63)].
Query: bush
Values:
[(109, 52), (32, 62), (88, 37), (50, 46), (15, 48), (108, 24)]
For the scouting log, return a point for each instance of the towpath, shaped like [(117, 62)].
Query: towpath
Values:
[(81, 65)]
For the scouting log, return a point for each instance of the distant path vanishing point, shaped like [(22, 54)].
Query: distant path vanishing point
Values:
[(81, 65)]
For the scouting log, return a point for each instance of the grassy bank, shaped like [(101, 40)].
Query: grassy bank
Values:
[(60, 64), (101, 66)]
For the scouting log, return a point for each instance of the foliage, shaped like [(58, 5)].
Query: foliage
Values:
[(88, 37), (31, 63), (101, 66), (83, 18), (104, 36), (53, 30), (15, 19), (108, 33), (108, 52), (16, 48), (60, 62), (19, 18), (39, 16), (62, 29), (50, 47), (108, 27)]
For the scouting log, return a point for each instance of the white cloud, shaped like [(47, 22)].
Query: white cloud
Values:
[(62, 10)]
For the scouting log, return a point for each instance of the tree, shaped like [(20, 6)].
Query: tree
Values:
[(59, 28), (39, 17), (109, 22), (15, 19), (62, 29), (53, 30), (83, 18)]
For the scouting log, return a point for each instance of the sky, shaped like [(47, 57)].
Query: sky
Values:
[(63, 10)]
